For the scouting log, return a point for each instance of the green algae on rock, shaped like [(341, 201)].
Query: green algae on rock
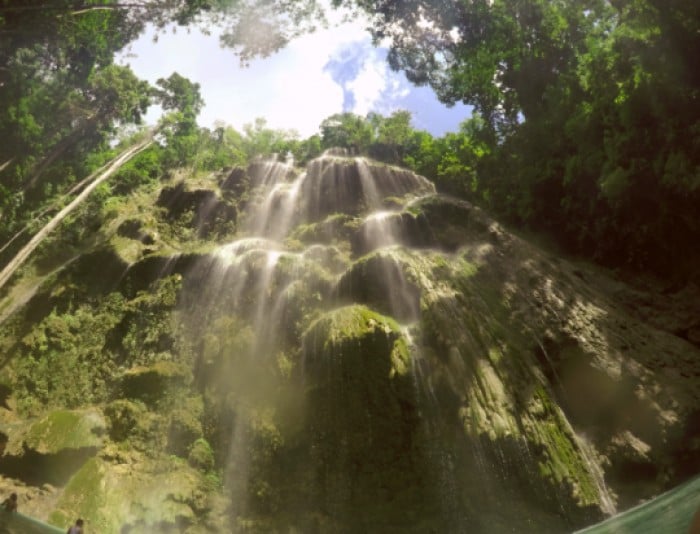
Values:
[(141, 496), (368, 447)]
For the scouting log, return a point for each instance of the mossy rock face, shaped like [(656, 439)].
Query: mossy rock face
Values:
[(64, 429), (133, 229), (235, 182), (94, 280), (185, 426), (450, 223), (390, 228), (138, 497), (379, 281), (377, 340), (331, 258), (152, 383), (506, 410), (367, 449), (201, 455), (266, 172), (335, 227), (140, 275), (540, 452), (52, 449), (59, 430), (202, 208), (127, 420)]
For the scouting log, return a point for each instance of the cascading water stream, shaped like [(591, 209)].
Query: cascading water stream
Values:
[(371, 192), (258, 279), (256, 276), (380, 229)]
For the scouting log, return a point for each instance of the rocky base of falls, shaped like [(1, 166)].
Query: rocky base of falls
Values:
[(337, 349)]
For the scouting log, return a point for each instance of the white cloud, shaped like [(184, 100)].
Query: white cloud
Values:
[(293, 89), (290, 89), (376, 87), (369, 84)]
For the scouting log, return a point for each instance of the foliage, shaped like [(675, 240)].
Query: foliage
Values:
[(346, 130), (590, 125), (61, 362), (63, 97), (259, 140), (71, 357)]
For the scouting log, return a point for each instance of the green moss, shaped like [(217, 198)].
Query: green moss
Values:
[(74, 341), (562, 462), (152, 496), (383, 280), (154, 382), (201, 455), (334, 228), (495, 355), (364, 426), (350, 322), (82, 497), (61, 361), (129, 250), (63, 429), (128, 420), (185, 425), (453, 222), (400, 358)]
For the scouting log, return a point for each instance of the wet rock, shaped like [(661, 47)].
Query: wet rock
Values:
[(351, 186), (133, 229), (384, 229), (141, 496), (379, 281), (151, 383), (265, 172), (60, 430), (368, 456), (449, 223), (335, 228), (236, 182), (51, 449), (204, 210)]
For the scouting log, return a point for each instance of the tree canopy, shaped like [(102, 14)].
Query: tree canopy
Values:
[(586, 125), (592, 106)]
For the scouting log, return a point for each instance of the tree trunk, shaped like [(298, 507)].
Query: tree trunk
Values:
[(8, 162), (113, 167)]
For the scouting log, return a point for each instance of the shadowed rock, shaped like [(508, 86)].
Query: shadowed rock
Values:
[(208, 212), (379, 281)]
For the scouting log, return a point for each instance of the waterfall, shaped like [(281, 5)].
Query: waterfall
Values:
[(336, 256)]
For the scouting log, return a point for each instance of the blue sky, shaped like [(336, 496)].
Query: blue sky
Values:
[(330, 71)]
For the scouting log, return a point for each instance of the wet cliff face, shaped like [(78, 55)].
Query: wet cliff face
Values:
[(334, 349)]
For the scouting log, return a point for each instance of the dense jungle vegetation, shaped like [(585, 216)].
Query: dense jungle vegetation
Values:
[(586, 117)]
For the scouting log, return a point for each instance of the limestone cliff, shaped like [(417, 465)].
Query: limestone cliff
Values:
[(336, 349)]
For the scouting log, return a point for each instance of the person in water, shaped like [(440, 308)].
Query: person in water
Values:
[(77, 528), (10, 504)]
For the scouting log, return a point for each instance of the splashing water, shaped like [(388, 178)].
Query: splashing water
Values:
[(381, 229), (275, 215)]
